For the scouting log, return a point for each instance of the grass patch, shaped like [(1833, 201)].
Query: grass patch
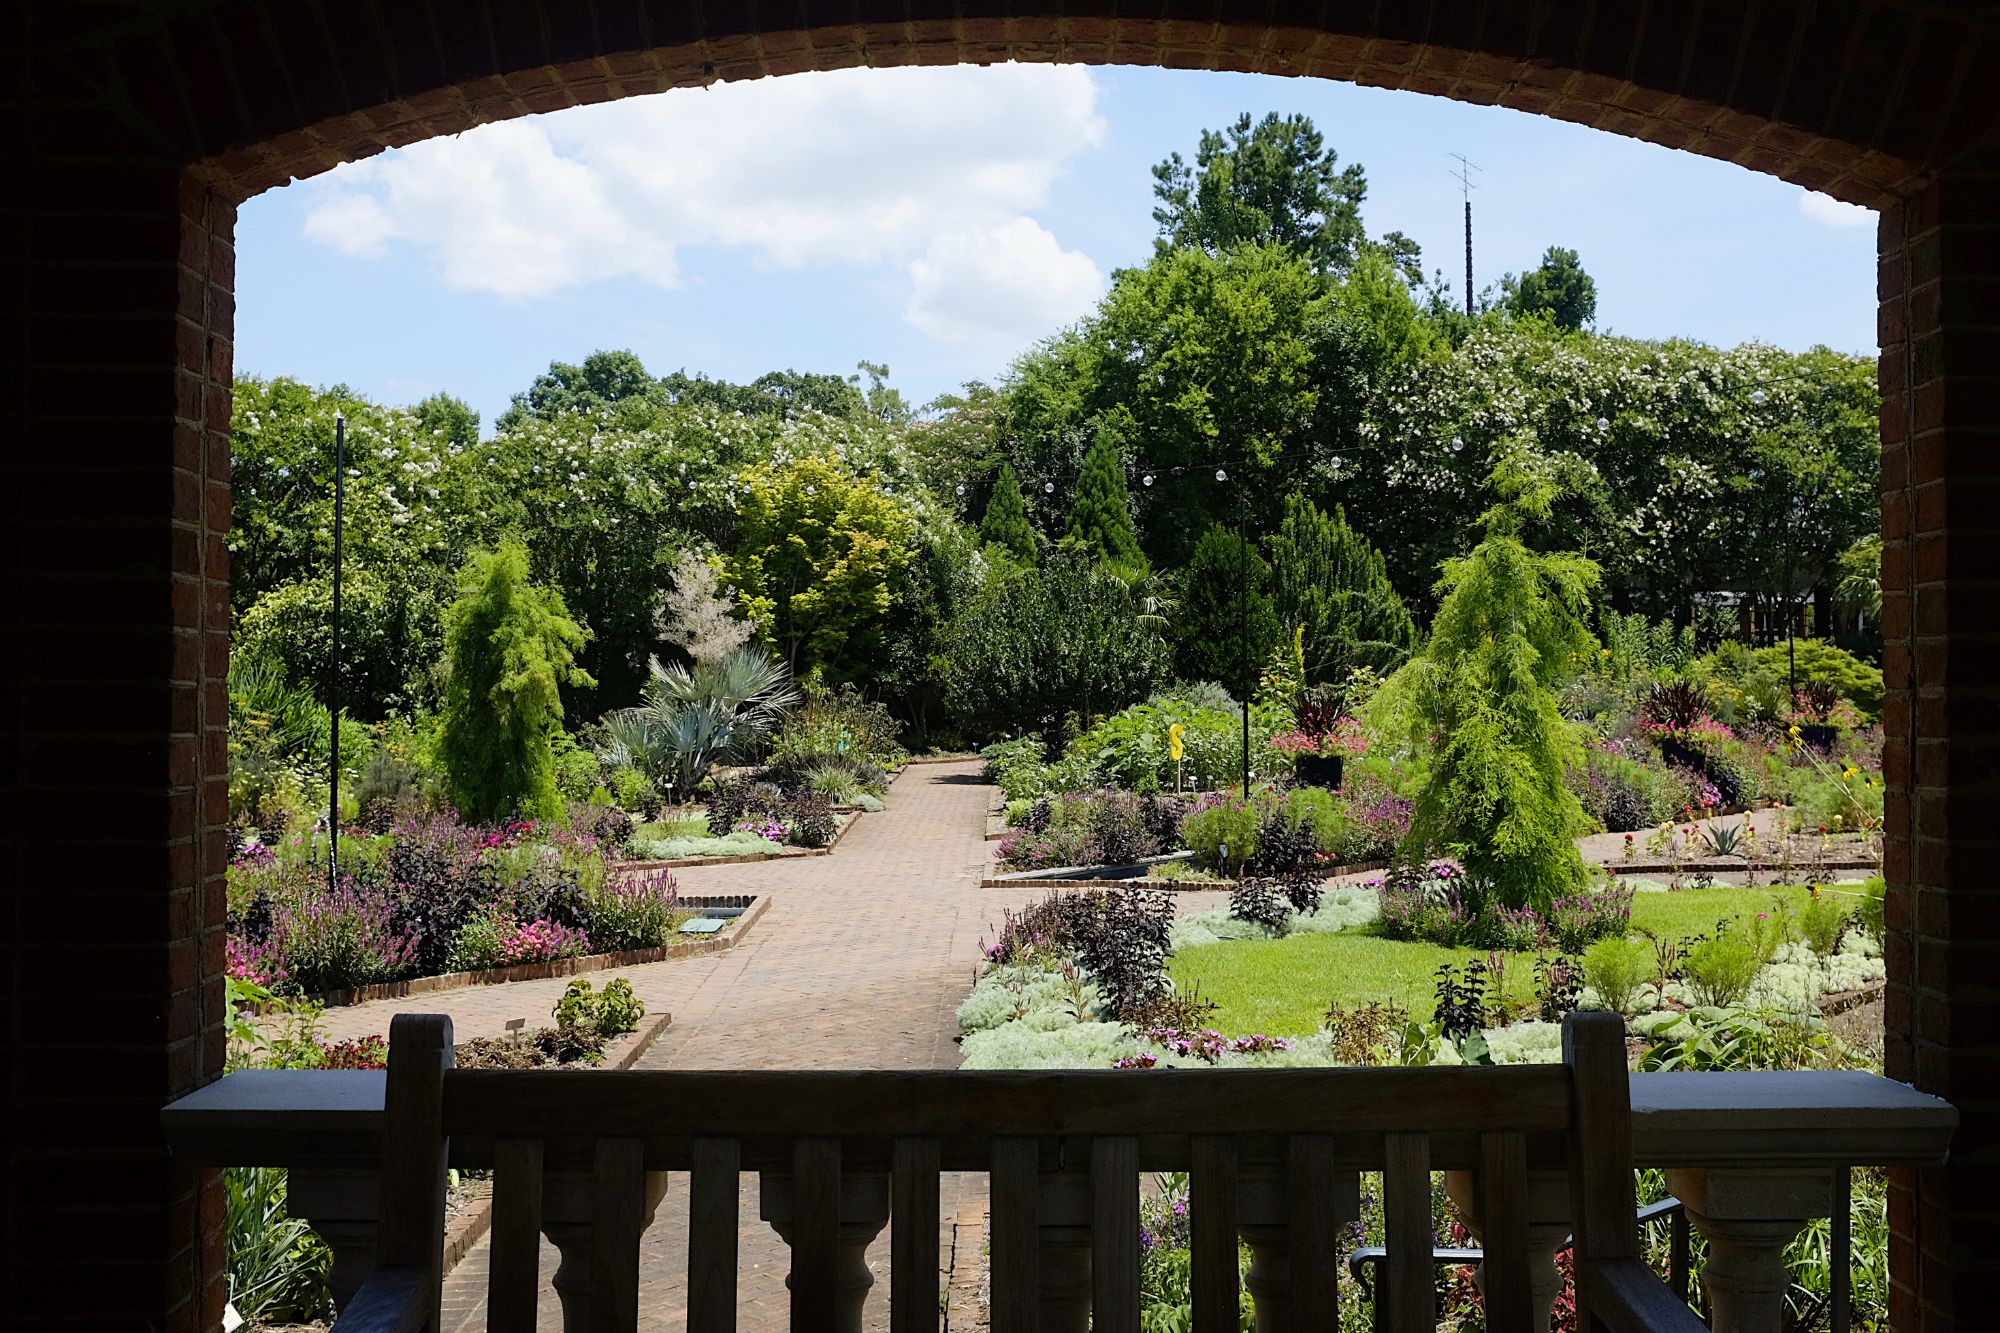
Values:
[(667, 830), (1283, 987)]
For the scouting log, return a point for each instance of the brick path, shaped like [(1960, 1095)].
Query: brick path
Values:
[(859, 963)]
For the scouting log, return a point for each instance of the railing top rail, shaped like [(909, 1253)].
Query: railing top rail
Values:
[(334, 1119), (961, 1104)]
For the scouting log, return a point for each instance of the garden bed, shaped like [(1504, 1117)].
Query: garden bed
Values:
[(783, 854), (748, 908)]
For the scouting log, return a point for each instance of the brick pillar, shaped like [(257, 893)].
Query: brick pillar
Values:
[(1940, 378), (115, 503)]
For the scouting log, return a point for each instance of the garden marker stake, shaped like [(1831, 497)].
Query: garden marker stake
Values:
[(333, 768)]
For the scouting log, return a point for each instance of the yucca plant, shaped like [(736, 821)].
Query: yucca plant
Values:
[(694, 717)]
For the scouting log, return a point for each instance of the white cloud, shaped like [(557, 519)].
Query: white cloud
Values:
[(899, 167), (1824, 208), (1003, 284)]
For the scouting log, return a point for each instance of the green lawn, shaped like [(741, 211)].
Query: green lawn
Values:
[(1283, 986), (664, 830)]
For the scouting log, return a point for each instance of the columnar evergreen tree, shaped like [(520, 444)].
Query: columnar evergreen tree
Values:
[(510, 647), (1329, 581), (1481, 698), (1225, 625), (1101, 519), (1006, 522)]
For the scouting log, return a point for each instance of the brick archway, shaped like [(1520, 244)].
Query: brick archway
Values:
[(137, 128)]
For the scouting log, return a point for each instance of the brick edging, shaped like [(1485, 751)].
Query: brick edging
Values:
[(466, 1230), (1170, 885), (1732, 867), (754, 906)]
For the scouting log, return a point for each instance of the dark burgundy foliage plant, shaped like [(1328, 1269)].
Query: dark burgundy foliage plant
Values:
[(1460, 996), (1262, 902)]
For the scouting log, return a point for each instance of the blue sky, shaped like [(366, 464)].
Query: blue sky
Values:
[(941, 220)]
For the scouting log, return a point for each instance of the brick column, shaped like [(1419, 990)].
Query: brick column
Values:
[(1940, 379), (114, 780)]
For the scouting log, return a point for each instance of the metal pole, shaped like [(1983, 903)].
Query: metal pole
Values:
[(1243, 618), (333, 773)]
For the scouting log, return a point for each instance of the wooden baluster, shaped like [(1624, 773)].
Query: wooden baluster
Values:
[(1312, 1232), (913, 1237), (1017, 1277), (414, 1154), (815, 1279), (513, 1266), (1409, 1279), (1114, 1259), (617, 1217), (714, 1180), (1503, 1218), (1212, 1209), (1603, 1200)]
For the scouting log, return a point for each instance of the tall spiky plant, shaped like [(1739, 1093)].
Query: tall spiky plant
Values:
[(692, 717)]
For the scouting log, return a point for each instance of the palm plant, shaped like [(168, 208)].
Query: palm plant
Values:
[(693, 717)]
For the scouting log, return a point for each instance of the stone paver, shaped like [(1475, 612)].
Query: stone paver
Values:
[(859, 963)]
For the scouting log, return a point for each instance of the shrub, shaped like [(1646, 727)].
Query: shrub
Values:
[(636, 911), (607, 825), (810, 821), (632, 789), (278, 1267), (1822, 921), (1016, 766), (342, 939), (1615, 968), (1719, 969), (1261, 902), (1232, 825), (1576, 920), (618, 1009), (1425, 902), (476, 947)]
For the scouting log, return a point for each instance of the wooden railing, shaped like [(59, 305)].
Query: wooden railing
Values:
[(1273, 1156)]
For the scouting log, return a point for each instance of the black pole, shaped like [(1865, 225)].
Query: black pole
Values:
[(1468, 256), (1243, 622), (333, 671)]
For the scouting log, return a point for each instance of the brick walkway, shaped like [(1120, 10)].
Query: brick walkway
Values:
[(859, 963)]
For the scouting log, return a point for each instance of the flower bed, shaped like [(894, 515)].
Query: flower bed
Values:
[(434, 897)]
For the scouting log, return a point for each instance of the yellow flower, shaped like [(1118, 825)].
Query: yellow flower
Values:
[(1813, 890), (1848, 772), (1796, 732)]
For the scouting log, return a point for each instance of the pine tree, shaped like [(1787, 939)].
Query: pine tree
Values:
[(509, 646), (1328, 580), (1225, 601), (1101, 519), (1006, 522)]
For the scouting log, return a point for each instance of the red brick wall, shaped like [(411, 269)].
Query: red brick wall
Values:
[(115, 797), (1940, 378), (133, 126)]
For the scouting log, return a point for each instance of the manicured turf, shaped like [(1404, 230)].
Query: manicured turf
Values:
[(663, 830), (1283, 987)]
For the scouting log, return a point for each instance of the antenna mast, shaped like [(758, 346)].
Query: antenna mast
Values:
[(1464, 178)]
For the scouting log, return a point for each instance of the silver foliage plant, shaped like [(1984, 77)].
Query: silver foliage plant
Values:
[(698, 617), (693, 717)]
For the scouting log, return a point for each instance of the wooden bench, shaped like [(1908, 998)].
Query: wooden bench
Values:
[(1097, 1129)]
